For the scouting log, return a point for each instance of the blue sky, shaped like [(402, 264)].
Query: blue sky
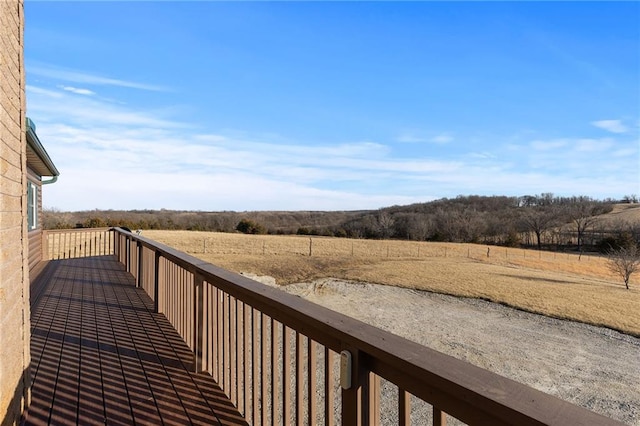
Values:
[(330, 105)]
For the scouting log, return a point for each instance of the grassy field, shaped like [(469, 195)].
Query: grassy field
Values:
[(560, 285)]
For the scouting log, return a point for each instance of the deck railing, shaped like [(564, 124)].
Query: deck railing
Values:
[(284, 360), (72, 243)]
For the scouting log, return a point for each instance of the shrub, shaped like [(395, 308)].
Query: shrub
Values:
[(303, 231), (247, 226)]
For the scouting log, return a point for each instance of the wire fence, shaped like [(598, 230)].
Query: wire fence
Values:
[(270, 245)]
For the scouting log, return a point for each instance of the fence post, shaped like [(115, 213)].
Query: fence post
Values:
[(198, 321)]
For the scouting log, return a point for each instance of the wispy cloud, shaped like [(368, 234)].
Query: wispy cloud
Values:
[(52, 94), (81, 77), (548, 145), (613, 126), (593, 145), (574, 161), (419, 137), (410, 138), (442, 138), (78, 91), (83, 110), (482, 155)]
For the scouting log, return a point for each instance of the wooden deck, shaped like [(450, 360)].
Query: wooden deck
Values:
[(100, 355)]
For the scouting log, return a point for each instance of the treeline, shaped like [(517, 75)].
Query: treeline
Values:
[(543, 220), (273, 222)]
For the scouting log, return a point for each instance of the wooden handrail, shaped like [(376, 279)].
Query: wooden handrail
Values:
[(469, 393)]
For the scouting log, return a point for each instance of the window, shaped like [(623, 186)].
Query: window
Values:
[(32, 206)]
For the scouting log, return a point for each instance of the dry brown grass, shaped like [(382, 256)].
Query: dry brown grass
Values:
[(621, 213), (559, 285)]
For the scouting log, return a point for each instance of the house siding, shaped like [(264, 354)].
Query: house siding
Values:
[(14, 272), (35, 235)]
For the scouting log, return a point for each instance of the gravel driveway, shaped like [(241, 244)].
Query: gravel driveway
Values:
[(594, 367)]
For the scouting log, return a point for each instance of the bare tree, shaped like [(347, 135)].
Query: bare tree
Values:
[(625, 261), (418, 227), (584, 216), (539, 221), (447, 224), (385, 225)]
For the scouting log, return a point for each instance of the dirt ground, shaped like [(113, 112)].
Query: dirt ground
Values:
[(559, 285), (593, 367)]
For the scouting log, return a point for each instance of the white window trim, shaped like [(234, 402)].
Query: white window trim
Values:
[(32, 205)]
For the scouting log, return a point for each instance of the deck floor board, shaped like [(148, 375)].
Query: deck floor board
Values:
[(100, 355)]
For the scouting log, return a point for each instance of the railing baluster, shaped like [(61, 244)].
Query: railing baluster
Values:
[(191, 307), (439, 417), (156, 281), (44, 243), (374, 399), (263, 368), (299, 379), (254, 366), (140, 265), (328, 388), (220, 337), (171, 284), (275, 375), (286, 375), (180, 293), (404, 408), (198, 282), (212, 292), (127, 255), (233, 346), (245, 365), (312, 383), (227, 344), (188, 305)]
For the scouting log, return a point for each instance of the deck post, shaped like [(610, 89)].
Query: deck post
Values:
[(198, 321), (355, 404)]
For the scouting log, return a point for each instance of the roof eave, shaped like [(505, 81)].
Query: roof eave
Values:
[(34, 143)]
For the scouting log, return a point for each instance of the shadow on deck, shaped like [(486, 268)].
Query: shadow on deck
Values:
[(100, 355)]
